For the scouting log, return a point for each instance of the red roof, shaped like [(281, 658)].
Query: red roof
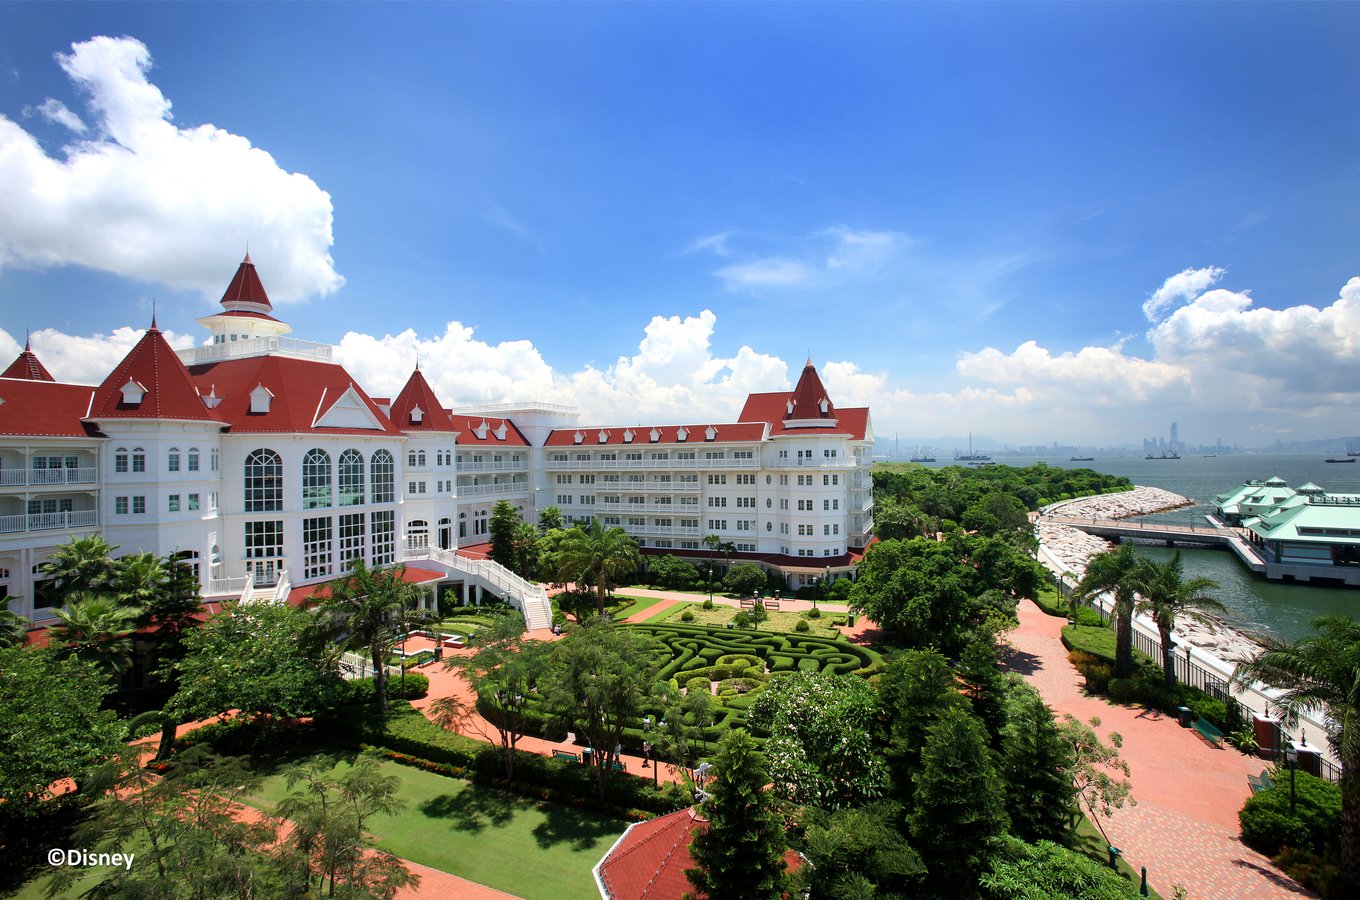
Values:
[(246, 287), (304, 390), (469, 426), (809, 396), (299, 596), (418, 394), (153, 368), (245, 314), (27, 365), (45, 408), (773, 408), (745, 432), (650, 860)]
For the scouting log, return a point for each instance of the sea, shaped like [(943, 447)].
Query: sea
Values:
[(1254, 604)]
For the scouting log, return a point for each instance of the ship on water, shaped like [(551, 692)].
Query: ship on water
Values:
[(970, 456), (1164, 455)]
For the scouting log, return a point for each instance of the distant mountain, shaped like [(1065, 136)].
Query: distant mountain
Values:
[(1324, 445)]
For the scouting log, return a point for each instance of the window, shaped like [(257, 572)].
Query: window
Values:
[(587, 499), (836, 479), (420, 459), (193, 503), (748, 502), (120, 460), (564, 499), (411, 458), (804, 530), (746, 479), (120, 506), (384, 477), (564, 479), (212, 501), (714, 454), (351, 529), (264, 540), (316, 547), (637, 500), (138, 459), (783, 502), (634, 457), (263, 481), (717, 524), (213, 459), (138, 505), (717, 478), (745, 525), (717, 501), (172, 503), (585, 479), (193, 459), (351, 481), (172, 460), (384, 537), (829, 454), (316, 480), (784, 480)]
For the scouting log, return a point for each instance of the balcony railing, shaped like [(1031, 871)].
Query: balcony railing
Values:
[(521, 465), (606, 465), (505, 487), (838, 462), (80, 518), (35, 477), (649, 487), (256, 346)]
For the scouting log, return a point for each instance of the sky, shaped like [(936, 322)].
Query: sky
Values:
[(1032, 222)]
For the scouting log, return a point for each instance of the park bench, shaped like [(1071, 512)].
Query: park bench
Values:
[(747, 602), (1205, 729), (772, 604), (565, 754), (619, 766), (1262, 782)]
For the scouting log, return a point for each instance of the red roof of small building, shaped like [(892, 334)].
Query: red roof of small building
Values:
[(303, 391), (418, 394), (156, 369), (27, 365), (773, 408), (743, 432), (650, 860), (245, 287), (45, 408), (469, 426)]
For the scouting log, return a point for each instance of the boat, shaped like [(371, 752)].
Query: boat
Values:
[(1332, 459), (1353, 452), (1163, 456), (970, 456), (1211, 456), (1082, 459), (923, 459)]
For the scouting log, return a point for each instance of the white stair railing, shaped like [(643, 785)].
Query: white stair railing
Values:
[(530, 598)]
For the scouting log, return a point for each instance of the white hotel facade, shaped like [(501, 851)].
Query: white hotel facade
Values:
[(260, 461)]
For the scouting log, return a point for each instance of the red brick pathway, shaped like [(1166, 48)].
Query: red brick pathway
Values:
[(1184, 828)]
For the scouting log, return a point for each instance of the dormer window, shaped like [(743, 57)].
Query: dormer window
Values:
[(710, 433), (655, 435), (133, 393), (628, 436), (788, 407), (417, 415), (481, 430), (682, 434), (603, 436), (260, 399), (577, 438), (501, 432), (823, 406), (212, 400)]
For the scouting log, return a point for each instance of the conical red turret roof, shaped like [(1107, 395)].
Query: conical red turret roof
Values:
[(153, 368), (246, 292), (417, 394), (27, 366), (809, 395)]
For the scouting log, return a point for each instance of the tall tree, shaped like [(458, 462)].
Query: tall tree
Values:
[(549, 519), (1100, 776), (94, 628), (1048, 871), (1036, 765), (138, 578), (504, 670), (502, 527), (741, 853), (959, 803), (524, 543), (677, 732), (915, 690), (858, 852), (365, 610), (597, 556), (1322, 672), (82, 564), (13, 627), (985, 686), (596, 687), (1166, 595), (1113, 572)]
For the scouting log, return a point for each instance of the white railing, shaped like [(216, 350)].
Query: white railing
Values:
[(515, 466), (838, 462), (600, 465), (531, 598), (248, 589), (80, 518), (23, 477), (505, 487), (281, 589), (255, 346), (647, 487), (221, 587), (494, 409)]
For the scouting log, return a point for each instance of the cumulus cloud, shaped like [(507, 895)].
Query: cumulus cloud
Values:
[(1182, 286), (824, 257), (82, 359), (139, 197)]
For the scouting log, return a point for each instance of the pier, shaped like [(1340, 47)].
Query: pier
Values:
[(1213, 535)]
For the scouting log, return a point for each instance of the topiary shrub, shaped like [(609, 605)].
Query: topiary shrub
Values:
[(687, 616), (742, 620), (802, 627), (814, 613), (1314, 825), (698, 683), (361, 690), (708, 603)]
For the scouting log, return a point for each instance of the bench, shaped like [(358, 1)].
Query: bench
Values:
[(1262, 782), (1205, 729), (619, 766), (566, 754), (772, 604), (747, 602)]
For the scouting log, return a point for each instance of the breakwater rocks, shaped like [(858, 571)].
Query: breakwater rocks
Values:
[(1141, 501)]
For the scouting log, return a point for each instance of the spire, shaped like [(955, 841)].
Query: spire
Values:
[(153, 316), (809, 401), (150, 383), (417, 408), (246, 293), (27, 366)]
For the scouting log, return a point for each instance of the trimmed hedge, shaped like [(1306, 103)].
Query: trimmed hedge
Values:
[(1315, 825), (361, 690)]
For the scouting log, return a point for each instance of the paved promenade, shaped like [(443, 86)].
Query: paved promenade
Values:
[(1184, 828)]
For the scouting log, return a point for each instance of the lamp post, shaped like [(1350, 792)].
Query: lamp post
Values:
[(710, 583), (827, 583), (755, 614), (1292, 756)]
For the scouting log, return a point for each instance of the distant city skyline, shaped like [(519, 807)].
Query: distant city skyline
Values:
[(1071, 223)]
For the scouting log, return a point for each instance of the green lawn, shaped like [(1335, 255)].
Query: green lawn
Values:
[(1089, 842), (529, 849), (632, 606), (719, 616)]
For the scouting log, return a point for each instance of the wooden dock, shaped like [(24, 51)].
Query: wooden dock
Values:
[(1212, 535)]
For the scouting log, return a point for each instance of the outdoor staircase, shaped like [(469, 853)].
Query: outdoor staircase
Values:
[(529, 598)]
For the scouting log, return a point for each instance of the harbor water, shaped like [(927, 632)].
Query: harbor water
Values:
[(1254, 604)]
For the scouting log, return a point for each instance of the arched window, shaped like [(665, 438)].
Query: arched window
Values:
[(138, 459), (411, 458), (384, 477), (172, 460), (316, 480), (351, 478), (420, 458), (120, 459), (193, 459), (264, 481)]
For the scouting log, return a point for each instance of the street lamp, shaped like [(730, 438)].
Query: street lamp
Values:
[(1292, 756), (710, 584)]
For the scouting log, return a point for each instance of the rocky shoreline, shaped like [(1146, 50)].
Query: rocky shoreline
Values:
[(1074, 549)]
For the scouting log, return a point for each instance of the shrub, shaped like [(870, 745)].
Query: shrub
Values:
[(687, 616), (1322, 876), (814, 613), (1085, 615), (361, 690), (1268, 825), (802, 627), (708, 603), (698, 683), (744, 579), (1094, 668), (742, 619)]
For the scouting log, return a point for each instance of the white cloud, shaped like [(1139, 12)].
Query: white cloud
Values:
[(714, 242), (861, 251), (824, 257), (82, 359), (1186, 285), (769, 272), (144, 199), (56, 111)]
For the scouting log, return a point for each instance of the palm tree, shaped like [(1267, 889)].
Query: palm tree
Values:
[(1165, 595), (1113, 571), (139, 578), (524, 541), (1322, 671), (95, 628), (363, 612), (13, 627), (600, 555), (712, 542), (82, 564)]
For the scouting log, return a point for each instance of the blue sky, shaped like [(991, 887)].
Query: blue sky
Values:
[(1072, 222)]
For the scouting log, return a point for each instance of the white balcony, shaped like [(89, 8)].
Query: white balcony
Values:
[(609, 465), (80, 518), (256, 346), (838, 462), (482, 490), (521, 465), (41, 477), (648, 487), (662, 531)]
